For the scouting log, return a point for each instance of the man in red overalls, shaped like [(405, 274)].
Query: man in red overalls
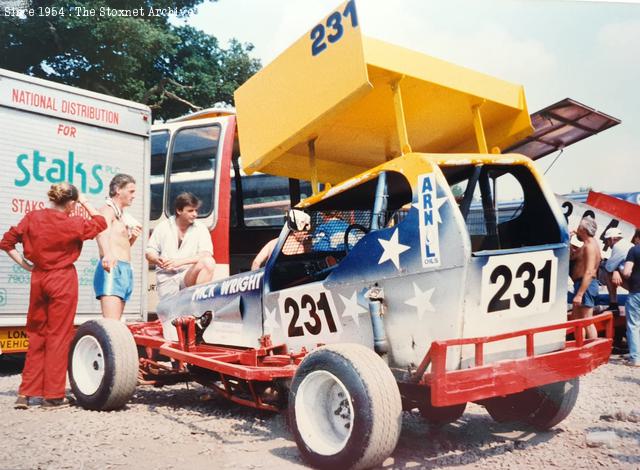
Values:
[(52, 241)]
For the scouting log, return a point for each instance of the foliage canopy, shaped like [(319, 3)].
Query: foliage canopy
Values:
[(173, 69)]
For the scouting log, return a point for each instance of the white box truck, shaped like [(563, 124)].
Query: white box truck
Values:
[(53, 133)]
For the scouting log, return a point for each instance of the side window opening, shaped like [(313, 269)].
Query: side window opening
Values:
[(159, 149), (258, 204), (193, 164), (337, 225), (503, 207), (264, 198)]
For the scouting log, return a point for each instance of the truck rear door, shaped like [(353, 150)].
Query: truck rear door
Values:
[(55, 133)]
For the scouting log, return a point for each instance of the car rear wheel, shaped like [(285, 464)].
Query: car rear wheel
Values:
[(103, 365), (440, 415), (542, 407), (345, 408)]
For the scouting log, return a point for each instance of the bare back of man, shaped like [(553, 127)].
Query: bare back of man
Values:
[(584, 272)]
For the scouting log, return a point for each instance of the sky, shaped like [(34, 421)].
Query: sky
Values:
[(584, 50)]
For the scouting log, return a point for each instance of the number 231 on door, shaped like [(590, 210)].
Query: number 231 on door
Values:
[(521, 282), (309, 312)]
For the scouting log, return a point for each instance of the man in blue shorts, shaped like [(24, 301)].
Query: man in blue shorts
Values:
[(113, 279), (584, 272)]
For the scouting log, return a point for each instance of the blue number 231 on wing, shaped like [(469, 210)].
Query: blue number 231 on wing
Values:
[(333, 28)]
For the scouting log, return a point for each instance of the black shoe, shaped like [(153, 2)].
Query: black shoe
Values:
[(55, 403), (619, 350), (22, 403)]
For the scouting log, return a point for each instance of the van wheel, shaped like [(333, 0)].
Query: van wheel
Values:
[(345, 408), (542, 407), (440, 415), (103, 365)]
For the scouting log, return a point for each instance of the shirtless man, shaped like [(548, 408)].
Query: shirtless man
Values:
[(583, 273), (113, 279)]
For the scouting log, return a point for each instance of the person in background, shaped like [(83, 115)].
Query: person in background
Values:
[(611, 276), (181, 248), (631, 272), (297, 242), (264, 254), (113, 279), (583, 273), (614, 265), (52, 240)]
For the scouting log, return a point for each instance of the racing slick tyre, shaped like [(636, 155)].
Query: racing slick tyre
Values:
[(345, 409), (541, 407), (440, 415), (103, 365)]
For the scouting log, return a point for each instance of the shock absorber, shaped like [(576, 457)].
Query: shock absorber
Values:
[(375, 295)]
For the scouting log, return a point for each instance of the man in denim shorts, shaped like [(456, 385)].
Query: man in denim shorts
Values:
[(113, 279), (584, 273)]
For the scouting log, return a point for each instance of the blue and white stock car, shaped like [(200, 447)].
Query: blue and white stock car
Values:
[(384, 291)]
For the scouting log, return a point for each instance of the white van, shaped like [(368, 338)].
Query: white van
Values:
[(53, 133)]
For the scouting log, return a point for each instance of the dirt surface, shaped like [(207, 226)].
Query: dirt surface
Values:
[(175, 428)]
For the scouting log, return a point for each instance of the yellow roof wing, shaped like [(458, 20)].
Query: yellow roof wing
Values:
[(342, 98)]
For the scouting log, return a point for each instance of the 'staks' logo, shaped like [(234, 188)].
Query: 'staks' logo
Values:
[(57, 170)]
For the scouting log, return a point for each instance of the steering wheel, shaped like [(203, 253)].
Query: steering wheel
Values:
[(347, 232)]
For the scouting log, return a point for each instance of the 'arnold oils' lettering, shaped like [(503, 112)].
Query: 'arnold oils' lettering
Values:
[(57, 170), (427, 212), (428, 221)]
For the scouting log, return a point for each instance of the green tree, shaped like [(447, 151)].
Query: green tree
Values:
[(173, 69)]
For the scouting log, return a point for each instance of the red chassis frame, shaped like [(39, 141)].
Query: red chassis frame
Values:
[(260, 368)]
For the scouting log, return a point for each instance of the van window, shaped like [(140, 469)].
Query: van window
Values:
[(503, 206), (265, 199), (159, 147), (193, 163)]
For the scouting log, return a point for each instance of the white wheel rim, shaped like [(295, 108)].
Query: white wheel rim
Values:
[(88, 365), (324, 413)]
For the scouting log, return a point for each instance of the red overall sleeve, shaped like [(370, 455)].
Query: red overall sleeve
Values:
[(93, 226), (13, 236)]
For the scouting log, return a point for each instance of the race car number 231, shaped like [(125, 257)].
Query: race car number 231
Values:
[(519, 282), (323, 35), (309, 313)]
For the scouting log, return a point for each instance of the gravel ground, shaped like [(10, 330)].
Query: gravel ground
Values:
[(174, 428)]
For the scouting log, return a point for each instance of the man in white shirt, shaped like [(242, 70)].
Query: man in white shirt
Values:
[(181, 249), (614, 265)]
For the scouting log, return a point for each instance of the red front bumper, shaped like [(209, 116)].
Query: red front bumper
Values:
[(482, 381)]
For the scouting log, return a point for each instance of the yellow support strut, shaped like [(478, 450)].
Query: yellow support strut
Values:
[(479, 129), (314, 168), (401, 124)]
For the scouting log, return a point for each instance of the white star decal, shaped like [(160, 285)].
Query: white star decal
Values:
[(392, 249), (436, 208), (270, 322), (422, 300), (352, 308)]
